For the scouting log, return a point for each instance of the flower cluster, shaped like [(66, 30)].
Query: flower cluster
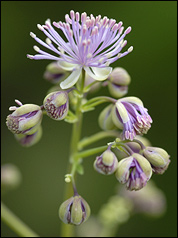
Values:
[(80, 63)]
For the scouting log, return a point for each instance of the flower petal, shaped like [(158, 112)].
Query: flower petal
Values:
[(134, 100), (122, 111), (71, 80), (66, 66), (99, 74)]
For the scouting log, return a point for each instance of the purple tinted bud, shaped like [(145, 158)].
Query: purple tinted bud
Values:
[(56, 105), (105, 119), (54, 73), (118, 82), (29, 140), (25, 119), (106, 163), (158, 158), (134, 171), (74, 211)]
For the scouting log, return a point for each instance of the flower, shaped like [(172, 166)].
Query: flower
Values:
[(130, 115), (56, 105), (106, 163), (158, 158), (93, 43), (25, 119), (74, 211), (135, 171)]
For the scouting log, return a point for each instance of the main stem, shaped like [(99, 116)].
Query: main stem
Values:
[(68, 230)]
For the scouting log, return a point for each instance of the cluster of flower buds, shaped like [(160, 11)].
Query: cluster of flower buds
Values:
[(74, 211), (134, 170)]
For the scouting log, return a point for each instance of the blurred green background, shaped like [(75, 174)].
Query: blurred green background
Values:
[(152, 66)]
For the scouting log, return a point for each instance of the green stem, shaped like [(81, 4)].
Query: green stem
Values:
[(15, 223), (68, 230), (92, 151), (98, 136)]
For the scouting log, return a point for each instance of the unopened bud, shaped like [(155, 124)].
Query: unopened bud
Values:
[(54, 73), (74, 211), (158, 158), (106, 163), (118, 82), (105, 119), (29, 140), (56, 105)]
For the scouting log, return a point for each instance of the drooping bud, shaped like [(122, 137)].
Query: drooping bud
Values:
[(74, 211), (10, 177), (130, 115), (29, 140), (106, 163), (135, 171), (118, 82), (54, 73), (158, 158), (25, 119), (56, 105), (105, 119)]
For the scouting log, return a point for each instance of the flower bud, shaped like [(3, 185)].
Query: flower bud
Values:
[(74, 211), (105, 119), (10, 177), (25, 119), (106, 163), (158, 158), (135, 171), (56, 105), (118, 82), (54, 73), (29, 140)]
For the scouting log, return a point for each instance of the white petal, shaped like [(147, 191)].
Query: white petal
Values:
[(99, 74), (66, 66), (71, 80), (134, 100), (122, 112)]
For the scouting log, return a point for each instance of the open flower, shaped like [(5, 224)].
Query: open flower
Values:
[(134, 171), (130, 115), (93, 43)]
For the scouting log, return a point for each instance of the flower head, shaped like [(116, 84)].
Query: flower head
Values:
[(135, 171), (25, 119), (92, 43), (74, 211), (130, 115)]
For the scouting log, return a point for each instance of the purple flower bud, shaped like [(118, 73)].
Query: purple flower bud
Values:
[(54, 73), (56, 105), (134, 171), (118, 82), (74, 211), (25, 119), (29, 140), (106, 163), (130, 115), (158, 158)]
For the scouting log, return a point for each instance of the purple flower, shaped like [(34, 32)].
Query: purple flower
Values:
[(130, 115), (92, 43), (135, 171)]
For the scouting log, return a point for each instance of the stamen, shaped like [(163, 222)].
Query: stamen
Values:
[(130, 49), (40, 27), (13, 108), (18, 102), (36, 48), (128, 30), (32, 35)]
